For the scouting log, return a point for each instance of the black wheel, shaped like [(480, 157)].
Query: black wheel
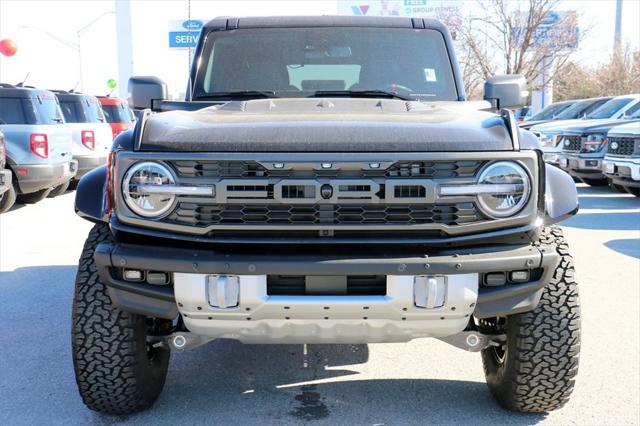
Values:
[(595, 182), (535, 370), (8, 198), (117, 371), (632, 190), (59, 190), (34, 197)]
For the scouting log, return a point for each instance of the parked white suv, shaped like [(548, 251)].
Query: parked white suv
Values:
[(92, 136), (549, 133)]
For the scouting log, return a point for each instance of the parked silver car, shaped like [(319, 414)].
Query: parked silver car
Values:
[(38, 144)]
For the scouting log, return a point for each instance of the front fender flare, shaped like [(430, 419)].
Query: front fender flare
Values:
[(561, 195), (91, 196)]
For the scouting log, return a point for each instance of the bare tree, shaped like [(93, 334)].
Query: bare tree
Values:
[(620, 76), (510, 37)]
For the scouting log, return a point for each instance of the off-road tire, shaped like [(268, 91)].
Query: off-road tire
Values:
[(8, 198), (117, 372), (59, 190), (535, 371), (34, 197), (595, 182)]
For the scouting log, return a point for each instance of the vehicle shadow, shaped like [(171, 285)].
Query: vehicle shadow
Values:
[(272, 382), (628, 247)]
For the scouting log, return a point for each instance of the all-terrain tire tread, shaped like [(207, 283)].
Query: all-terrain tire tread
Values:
[(105, 347), (547, 342)]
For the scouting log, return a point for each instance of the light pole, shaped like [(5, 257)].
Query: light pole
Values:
[(75, 46)]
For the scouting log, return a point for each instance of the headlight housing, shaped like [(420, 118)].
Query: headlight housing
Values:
[(515, 189), (148, 204)]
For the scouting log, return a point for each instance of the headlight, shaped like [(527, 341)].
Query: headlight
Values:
[(151, 204), (514, 189)]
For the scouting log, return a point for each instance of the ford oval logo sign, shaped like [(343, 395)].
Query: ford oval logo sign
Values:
[(192, 24)]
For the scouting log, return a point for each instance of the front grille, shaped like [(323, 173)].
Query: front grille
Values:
[(626, 146), (323, 214), (571, 142), (401, 169)]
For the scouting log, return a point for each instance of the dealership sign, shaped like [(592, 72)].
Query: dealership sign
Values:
[(446, 10), (184, 33)]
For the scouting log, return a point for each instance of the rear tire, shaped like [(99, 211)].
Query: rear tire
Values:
[(8, 199), (595, 182), (59, 190), (535, 370), (34, 197), (117, 372)]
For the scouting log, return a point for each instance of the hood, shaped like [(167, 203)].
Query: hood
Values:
[(596, 126), (329, 125), (629, 129), (556, 125)]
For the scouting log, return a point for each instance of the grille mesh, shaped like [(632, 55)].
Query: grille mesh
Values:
[(626, 146), (575, 143), (282, 214)]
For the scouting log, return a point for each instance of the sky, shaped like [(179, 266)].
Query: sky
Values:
[(46, 35)]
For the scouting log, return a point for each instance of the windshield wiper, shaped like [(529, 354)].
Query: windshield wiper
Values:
[(263, 94), (360, 94)]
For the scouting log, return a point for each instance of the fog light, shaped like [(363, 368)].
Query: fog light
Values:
[(132, 275), (495, 279), (157, 278), (519, 276), (592, 163)]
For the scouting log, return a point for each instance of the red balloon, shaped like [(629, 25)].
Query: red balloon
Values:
[(8, 47)]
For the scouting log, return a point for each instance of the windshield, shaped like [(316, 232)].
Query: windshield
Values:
[(296, 62), (609, 109), (633, 112), (117, 113), (550, 111), (579, 109), (82, 110)]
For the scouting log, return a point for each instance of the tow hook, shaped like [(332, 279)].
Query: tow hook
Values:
[(473, 341), (181, 341)]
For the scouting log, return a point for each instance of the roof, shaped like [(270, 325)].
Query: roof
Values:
[(71, 96), (9, 91), (228, 23), (108, 100)]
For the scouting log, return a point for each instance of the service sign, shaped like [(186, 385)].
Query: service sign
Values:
[(184, 33), (445, 10)]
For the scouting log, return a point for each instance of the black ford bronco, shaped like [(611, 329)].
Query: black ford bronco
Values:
[(326, 181)]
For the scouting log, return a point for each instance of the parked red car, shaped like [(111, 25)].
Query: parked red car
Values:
[(118, 114)]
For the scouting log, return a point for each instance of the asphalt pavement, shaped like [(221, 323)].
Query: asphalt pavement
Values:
[(421, 382)]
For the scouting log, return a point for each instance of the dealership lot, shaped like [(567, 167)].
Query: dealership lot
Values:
[(424, 381)]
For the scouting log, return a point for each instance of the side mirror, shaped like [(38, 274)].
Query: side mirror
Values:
[(506, 91), (144, 89)]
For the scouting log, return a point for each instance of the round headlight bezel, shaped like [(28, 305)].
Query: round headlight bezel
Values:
[(130, 202), (526, 192)]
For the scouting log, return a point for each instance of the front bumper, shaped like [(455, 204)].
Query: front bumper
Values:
[(5, 180), (582, 165), (86, 164), (35, 177), (625, 172), (259, 317)]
